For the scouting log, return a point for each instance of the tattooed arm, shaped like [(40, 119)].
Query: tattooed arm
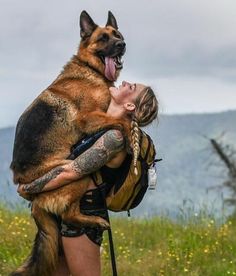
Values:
[(103, 151)]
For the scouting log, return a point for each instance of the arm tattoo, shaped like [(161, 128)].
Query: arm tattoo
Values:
[(99, 154), (37, 185), (103, 150)]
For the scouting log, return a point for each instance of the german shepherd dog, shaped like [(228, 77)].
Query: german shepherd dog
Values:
[(72, 106)]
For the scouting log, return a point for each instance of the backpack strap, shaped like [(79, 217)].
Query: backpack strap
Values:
[(85, 144), (148, 148)]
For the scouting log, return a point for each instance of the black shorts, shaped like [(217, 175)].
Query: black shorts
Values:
[(95, 234), (91, 205)]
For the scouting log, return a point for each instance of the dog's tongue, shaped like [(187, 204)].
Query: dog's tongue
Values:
[(110, 69)]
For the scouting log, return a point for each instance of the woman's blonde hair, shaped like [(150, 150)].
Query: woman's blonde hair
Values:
[(146, 110)]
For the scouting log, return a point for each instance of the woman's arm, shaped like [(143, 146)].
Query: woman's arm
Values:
[(103, 150)]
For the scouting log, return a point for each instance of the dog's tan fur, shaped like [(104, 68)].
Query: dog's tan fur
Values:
[(72, 106)]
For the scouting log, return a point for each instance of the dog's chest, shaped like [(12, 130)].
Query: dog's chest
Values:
[(94, 98), (102, 98)]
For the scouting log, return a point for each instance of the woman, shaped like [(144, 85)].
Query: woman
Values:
[(135, 102)]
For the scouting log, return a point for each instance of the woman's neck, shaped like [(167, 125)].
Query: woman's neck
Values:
[(115, 110)]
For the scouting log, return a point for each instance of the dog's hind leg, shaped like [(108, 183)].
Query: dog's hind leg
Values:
[(44, 256)]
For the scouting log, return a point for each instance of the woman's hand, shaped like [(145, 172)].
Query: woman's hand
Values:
[(22, 191)]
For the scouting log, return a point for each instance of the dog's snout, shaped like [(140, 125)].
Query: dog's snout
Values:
[(120, 44)]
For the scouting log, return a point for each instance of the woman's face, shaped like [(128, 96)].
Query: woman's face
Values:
[(126, 92)]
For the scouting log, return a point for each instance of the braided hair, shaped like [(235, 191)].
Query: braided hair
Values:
[(146, 110)]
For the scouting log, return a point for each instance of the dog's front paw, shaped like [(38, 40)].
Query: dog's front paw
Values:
[(102, 223)]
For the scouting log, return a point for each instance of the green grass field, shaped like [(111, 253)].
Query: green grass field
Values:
[(158, 246)]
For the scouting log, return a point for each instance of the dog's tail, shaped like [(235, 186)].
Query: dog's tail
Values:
[(44, 256)]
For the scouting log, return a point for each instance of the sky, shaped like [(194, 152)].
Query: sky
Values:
[(185, 50)]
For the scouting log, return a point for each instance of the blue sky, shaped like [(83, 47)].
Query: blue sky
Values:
[(186, 50)]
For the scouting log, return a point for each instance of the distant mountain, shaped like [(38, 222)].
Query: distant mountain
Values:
[(189, 165), (187, 169), (7, 189)]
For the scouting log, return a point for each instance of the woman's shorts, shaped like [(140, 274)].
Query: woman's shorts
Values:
[(95, 234)]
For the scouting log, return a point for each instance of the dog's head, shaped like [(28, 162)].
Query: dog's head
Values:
[(101, 47)]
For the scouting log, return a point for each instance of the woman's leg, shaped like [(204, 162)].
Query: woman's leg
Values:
[(82, 256)]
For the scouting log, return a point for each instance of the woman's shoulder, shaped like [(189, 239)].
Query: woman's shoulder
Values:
[(114, 137)]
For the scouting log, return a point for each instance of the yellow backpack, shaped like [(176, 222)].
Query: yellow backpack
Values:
[(130, 190)]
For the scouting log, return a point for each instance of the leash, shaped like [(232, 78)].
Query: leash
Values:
[(112, 252), (111, 244)]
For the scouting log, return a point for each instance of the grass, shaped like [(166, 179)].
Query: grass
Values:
[(157, 246)]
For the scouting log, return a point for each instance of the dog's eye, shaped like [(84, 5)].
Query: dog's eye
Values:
[(117, 34), (104, 37)]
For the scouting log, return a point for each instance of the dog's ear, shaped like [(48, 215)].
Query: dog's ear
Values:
[(111, 21), (87, 26)]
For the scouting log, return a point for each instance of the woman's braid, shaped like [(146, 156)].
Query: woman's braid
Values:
[(146, 110), (135, 136)]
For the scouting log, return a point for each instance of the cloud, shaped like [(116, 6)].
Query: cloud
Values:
[(163, 37), (166, 39)]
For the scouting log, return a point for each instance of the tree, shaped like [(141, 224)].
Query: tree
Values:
[(226, 154)]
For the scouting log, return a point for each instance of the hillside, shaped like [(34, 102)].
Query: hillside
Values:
[(187, 170)]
